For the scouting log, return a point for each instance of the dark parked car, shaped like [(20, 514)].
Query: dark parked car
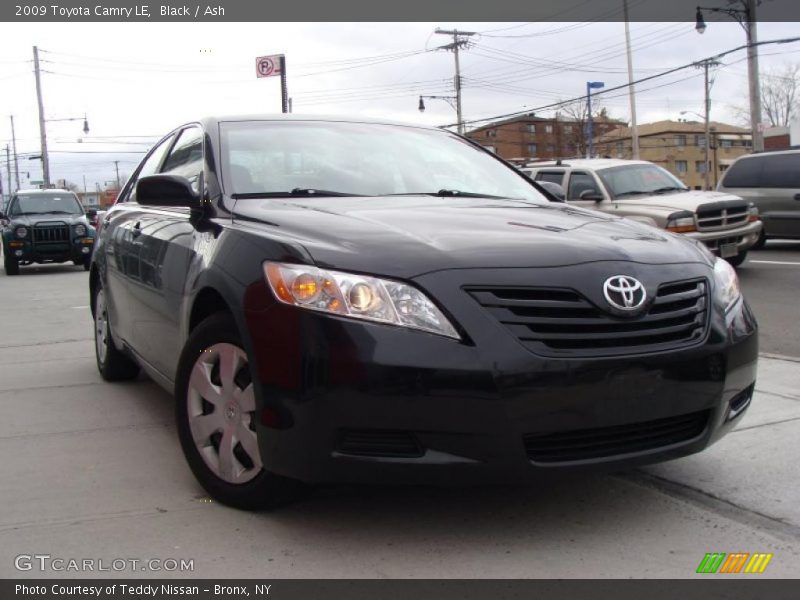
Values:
[(45, 226), (335, 300)]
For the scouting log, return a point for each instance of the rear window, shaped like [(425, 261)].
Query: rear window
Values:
[(775, 171), (551, 176)]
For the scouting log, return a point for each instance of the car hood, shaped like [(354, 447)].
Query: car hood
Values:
[(410, 235), (678, 201), (30, 220)]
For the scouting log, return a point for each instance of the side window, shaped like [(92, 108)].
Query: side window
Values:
[(581, 182), (186, 156), (552, 176), (744, 173), (149, 167), (781, 171)]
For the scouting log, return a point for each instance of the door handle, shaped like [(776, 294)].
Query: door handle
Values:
[(137, 230), (797, 196)]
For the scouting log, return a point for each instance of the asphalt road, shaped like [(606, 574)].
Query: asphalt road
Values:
[(94, 471), (770, 279)]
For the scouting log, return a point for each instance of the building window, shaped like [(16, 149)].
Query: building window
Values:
[(700, 140), (620, 148), (700, 166), (680, 141), (532, 149), (548, 129), (567, 128), (531, 128), (681, 166), (492, 133), (725, 143)]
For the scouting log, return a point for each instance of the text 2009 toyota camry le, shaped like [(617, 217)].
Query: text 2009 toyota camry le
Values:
[(336, 300)]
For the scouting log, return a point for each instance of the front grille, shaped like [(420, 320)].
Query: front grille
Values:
[(50, 234), (727, 217), (605, 442), (368, 442), (561, 322)]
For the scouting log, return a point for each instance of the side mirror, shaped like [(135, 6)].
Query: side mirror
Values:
[(91, 213), (166, 190), (590, 195)]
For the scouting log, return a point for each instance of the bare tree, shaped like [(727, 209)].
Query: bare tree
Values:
[(72, 187), (577, 112), (780, 97)]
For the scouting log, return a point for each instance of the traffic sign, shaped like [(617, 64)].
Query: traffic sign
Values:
[(268, 66)]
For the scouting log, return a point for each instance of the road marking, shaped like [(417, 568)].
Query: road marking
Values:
[(776, 262), (84, 306)]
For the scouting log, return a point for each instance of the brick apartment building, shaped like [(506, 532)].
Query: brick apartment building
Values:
[(679, 147), (530, 137)]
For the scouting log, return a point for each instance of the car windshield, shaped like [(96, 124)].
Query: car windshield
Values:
[(48, 203), (325, 158), (630, 180)]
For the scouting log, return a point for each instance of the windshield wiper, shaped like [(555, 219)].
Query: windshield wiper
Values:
[(669, 188), (295, 193), (455, 194), (57, 212), (631, 193)]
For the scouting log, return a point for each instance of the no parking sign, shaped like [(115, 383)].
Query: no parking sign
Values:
[(269, 66)]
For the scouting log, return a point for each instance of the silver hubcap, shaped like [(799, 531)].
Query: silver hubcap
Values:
[(101, 326), (221, 409)]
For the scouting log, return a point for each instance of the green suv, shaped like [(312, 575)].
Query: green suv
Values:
[(45, 226)]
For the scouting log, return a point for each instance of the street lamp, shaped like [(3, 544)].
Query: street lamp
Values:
[(451, 100), (44, 158), (746, 17), (591, 85)]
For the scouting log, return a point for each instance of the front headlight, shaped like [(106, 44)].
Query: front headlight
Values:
[(80, 230), (727, 283), (21, 232), (356, 296)]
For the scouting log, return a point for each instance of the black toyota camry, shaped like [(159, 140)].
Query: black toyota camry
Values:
[(346, 301)]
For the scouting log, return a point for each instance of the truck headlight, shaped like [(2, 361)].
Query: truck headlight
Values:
[(681, 222), (727, 283), (21, 232), (357, 297), (80, 230), (752, 213)]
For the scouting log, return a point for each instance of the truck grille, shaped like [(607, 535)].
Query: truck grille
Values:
[(713, 217), (561, 322), (605, 442), (50, 233)]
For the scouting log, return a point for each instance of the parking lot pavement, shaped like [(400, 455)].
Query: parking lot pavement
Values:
[(94, 471)]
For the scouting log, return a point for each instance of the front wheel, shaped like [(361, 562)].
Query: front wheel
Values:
[(11, 266), (737, 260), (762, 239), (215, 412)]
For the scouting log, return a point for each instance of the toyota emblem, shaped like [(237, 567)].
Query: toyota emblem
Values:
[(624, 293)]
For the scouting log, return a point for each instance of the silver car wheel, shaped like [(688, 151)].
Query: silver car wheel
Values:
[(221, 411), (101, 326)]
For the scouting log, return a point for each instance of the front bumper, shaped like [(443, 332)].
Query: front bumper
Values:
[(744, 237), (24, 250), (347, 401)]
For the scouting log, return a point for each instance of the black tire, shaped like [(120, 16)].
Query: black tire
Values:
[(113, 364), (263, 490), (737, 260), (762, 239), (11, 266)]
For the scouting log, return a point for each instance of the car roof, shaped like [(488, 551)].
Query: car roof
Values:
[(586, 163), (45, 191), (772, 153), (301, 117)]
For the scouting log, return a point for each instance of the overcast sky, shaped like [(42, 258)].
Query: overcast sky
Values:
[(136, 81)]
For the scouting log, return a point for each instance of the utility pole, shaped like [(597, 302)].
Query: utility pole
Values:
[(42, 132), (631, 88), (8, 169), (116, 168), (752, 76), (707, 113), (16, 162), (457, 43)]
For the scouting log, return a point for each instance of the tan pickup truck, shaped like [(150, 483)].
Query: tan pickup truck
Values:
[(728, 225)]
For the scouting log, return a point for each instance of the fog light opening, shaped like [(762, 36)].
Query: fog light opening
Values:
[(740, 402), (86, 250), (18, 253)]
